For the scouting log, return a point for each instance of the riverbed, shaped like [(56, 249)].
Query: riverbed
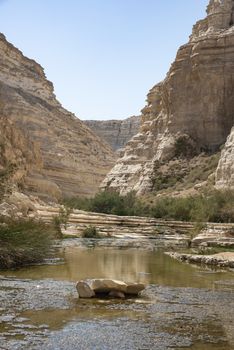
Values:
[(183, 306)]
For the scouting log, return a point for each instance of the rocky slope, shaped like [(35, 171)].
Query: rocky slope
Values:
[(190, 113), (73, 159), (115, 132)]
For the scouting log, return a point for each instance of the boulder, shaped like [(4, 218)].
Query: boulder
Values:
[(84, 290), (134, 288), (107, 287)]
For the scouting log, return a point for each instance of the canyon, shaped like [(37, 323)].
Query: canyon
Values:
[(188, 116), (183, 140)]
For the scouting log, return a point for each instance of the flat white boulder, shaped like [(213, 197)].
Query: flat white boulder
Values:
[(91, 287)]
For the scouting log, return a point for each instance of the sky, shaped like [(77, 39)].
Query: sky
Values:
[(102, 56)]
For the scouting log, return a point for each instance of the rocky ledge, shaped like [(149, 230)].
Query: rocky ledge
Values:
[(107, 287), (225, 259)]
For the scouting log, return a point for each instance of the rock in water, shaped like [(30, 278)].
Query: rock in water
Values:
[(134, 288), (190, 112), (84, 290), (107, 287)]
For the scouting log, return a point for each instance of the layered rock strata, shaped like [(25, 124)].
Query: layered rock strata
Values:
[(190, 112), (115, 132), (18, 156), (225, 170), (73, 159)]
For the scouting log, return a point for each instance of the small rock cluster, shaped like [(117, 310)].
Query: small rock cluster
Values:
[(224, 259), (90, 288)]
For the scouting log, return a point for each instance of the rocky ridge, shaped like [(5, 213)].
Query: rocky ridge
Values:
[(190, 113), (73, 160), (115, 132)]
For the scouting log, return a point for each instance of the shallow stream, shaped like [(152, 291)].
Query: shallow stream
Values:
[(183, 307)]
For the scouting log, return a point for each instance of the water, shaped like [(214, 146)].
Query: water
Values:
[(183, 307)]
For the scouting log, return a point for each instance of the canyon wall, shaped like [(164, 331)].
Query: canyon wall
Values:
[(18, 156), (225, 169), (73, 159), (115, 132), (191, 112)]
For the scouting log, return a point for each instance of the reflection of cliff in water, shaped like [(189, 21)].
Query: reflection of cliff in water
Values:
[(133, 265), (130, 265)]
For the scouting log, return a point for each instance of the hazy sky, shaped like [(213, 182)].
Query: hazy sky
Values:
[(102, 55)]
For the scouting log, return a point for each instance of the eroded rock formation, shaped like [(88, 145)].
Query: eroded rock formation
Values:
[(18, 156), (73, 159), (191, 111), (225, 170), (115, 132)]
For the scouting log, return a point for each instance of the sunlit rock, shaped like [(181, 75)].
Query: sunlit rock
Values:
[(190, 112), (108, 287)]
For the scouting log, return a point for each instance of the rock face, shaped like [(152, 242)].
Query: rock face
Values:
[(18, 156), (73, 159), (225, 170), (115, 132), (191, 111)]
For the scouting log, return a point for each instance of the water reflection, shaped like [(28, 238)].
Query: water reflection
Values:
[(132, 265)]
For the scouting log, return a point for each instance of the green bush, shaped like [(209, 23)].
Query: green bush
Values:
[(184, 147), (61, 220), (78, 203), (109, 202), (216, 206), (90, 232), (24, 242)]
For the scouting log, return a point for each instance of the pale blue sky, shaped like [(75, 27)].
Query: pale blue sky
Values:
[(102, 55)]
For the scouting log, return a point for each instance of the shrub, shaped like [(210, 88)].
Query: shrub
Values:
[(184, 147), (109, 202), (90, 232), (24, 242), (61, 219), (216, 206), (78, 203)]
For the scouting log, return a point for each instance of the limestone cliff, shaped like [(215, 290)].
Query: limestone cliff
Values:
[(18, 156), (115, 132), (73, 159), (191, 111), (225, 170)]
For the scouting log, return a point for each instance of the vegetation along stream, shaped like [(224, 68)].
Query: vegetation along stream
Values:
[(183, 306)]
